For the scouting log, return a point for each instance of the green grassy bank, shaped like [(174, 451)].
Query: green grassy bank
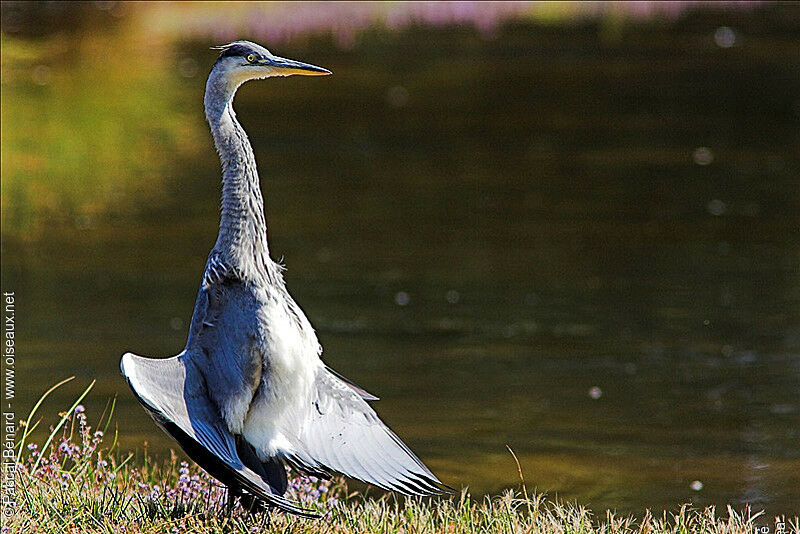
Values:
[(78, 481)]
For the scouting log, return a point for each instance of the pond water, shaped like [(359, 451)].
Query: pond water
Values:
[(585, 248)]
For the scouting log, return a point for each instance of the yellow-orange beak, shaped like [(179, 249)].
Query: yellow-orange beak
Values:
[(286, 67)]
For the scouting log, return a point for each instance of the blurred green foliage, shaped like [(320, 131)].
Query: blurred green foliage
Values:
[(83, 134)]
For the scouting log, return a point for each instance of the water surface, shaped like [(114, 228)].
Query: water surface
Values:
[(585, 249)]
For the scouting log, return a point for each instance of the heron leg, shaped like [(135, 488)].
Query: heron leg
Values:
[(231, 500)]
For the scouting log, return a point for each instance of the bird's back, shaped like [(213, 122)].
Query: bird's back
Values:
[(257, 352)]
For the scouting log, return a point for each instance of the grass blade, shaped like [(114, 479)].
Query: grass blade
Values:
[(60, 424), (28, 428)]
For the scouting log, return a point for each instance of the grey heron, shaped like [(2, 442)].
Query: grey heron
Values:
[(249, 393)]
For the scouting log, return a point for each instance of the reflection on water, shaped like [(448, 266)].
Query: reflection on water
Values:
[(586, 251)]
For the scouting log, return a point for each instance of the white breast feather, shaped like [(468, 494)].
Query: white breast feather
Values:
[(291, 361)]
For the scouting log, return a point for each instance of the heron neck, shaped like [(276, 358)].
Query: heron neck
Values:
[(243, 230)]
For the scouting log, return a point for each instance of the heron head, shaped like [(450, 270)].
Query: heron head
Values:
[(241, 61)]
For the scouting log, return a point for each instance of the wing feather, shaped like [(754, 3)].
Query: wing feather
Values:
[(345, 435)]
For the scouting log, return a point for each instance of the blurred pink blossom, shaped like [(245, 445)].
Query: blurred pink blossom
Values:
[(282, 21)]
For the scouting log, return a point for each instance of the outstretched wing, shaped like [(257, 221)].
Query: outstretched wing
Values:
[(345, 435), (175, 395)]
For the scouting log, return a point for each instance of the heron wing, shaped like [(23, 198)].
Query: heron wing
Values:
[(175, 395), (222, 341), (364, 394), (345, 435)]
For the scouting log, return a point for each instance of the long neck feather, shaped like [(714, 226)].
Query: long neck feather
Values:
[(243, 229)]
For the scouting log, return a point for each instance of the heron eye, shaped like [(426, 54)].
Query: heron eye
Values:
[(251, 58)]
